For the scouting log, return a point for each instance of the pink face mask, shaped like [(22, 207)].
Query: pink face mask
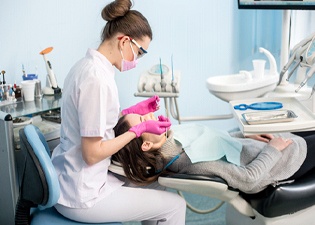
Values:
[(128, 65)]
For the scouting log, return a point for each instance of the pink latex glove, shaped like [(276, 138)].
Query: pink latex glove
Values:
[(163, 118), (151, 126), (144, 107)]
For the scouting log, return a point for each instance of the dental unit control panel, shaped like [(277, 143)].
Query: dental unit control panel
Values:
[(159, 80)]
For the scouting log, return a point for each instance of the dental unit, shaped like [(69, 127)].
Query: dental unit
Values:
[(290, 202)]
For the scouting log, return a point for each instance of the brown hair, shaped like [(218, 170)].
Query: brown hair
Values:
[(120, 19), (140, 167)]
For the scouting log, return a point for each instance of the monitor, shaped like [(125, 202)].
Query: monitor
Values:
[(276, 4)]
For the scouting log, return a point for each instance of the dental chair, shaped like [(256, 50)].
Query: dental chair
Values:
[(38, 182), (288, 203)]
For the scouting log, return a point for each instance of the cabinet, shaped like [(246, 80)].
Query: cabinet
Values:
[(8, 153)]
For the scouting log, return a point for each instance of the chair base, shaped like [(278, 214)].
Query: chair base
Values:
[(305, 216), (51, 216)]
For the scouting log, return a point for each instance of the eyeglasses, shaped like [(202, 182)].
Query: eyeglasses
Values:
[(141, 51)]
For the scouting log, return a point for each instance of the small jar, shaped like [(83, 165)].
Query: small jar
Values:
[(18, 92)]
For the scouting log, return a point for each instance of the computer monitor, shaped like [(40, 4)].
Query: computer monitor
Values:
[(277, 4)]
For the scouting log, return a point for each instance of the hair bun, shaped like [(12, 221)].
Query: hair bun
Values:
[(115, 9)]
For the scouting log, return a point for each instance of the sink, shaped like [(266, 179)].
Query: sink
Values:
[(240, 86), (244, 85)]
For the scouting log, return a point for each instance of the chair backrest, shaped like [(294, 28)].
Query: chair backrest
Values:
[(39, 184)]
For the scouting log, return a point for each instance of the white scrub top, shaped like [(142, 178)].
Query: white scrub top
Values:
[(90, 108)]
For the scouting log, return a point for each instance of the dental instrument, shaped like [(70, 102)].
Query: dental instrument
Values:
[(23, 71), (297, 52), (294, 68), (51, 82), (309, 60), (310, 52), (3, 81), (300, 54), (309, 74), (163, 83), (172, 68), (312, 92), (296, 56), (173, 84)]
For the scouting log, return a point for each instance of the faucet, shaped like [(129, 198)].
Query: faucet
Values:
[(273, 65)]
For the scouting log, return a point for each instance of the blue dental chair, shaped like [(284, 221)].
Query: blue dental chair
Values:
[(38, 182), (287, 203)]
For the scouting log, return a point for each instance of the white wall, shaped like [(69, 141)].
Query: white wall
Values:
[(206, 38)]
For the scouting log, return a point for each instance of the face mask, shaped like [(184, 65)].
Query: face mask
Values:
[(128, 65)]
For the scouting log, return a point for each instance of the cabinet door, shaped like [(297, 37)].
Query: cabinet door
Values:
[(8, 176)]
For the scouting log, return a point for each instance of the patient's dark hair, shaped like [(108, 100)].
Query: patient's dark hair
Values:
[(140, 167)]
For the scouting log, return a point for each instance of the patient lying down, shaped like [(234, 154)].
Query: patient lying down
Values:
[(249, 164)]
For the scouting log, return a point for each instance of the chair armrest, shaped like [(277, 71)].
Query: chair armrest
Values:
[(210, 186)]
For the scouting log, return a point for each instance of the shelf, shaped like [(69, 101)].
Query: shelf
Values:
[(22, 108)]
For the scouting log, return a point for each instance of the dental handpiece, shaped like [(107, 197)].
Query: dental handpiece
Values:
[(313, 90), (310, 52), (297, 48), (163, 85), (294, 68), (308, 76), (301, 85), (286, 67), (297, 55)]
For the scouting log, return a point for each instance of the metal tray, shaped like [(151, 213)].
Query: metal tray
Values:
[(304, 122), (265, 117)]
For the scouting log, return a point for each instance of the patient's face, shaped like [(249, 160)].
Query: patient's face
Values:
[(135, 119)]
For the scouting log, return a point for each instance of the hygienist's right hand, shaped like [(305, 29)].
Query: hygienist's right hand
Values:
[(151, 126), (144, 107)]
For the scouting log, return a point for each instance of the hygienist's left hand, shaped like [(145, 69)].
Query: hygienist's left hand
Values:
[(261, 137), (151, 126), (144, 107)]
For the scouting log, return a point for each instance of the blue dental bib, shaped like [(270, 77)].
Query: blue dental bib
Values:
[(202, 143)]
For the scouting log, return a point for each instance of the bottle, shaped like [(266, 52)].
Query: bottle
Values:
[(18, 92)]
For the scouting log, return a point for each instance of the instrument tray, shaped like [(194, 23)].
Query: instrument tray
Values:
[(272, 116), (304, 120)]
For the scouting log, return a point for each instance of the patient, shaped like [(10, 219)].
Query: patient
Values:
[(249, 163)]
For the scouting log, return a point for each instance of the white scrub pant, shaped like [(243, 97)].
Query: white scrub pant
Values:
[(132, 204)]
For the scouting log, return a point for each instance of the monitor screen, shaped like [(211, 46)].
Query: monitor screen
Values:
[(276, 4)]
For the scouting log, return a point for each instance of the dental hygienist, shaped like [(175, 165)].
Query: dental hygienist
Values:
[(90, 110)]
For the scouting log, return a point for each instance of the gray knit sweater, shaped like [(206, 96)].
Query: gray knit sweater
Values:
[(261, 164)]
